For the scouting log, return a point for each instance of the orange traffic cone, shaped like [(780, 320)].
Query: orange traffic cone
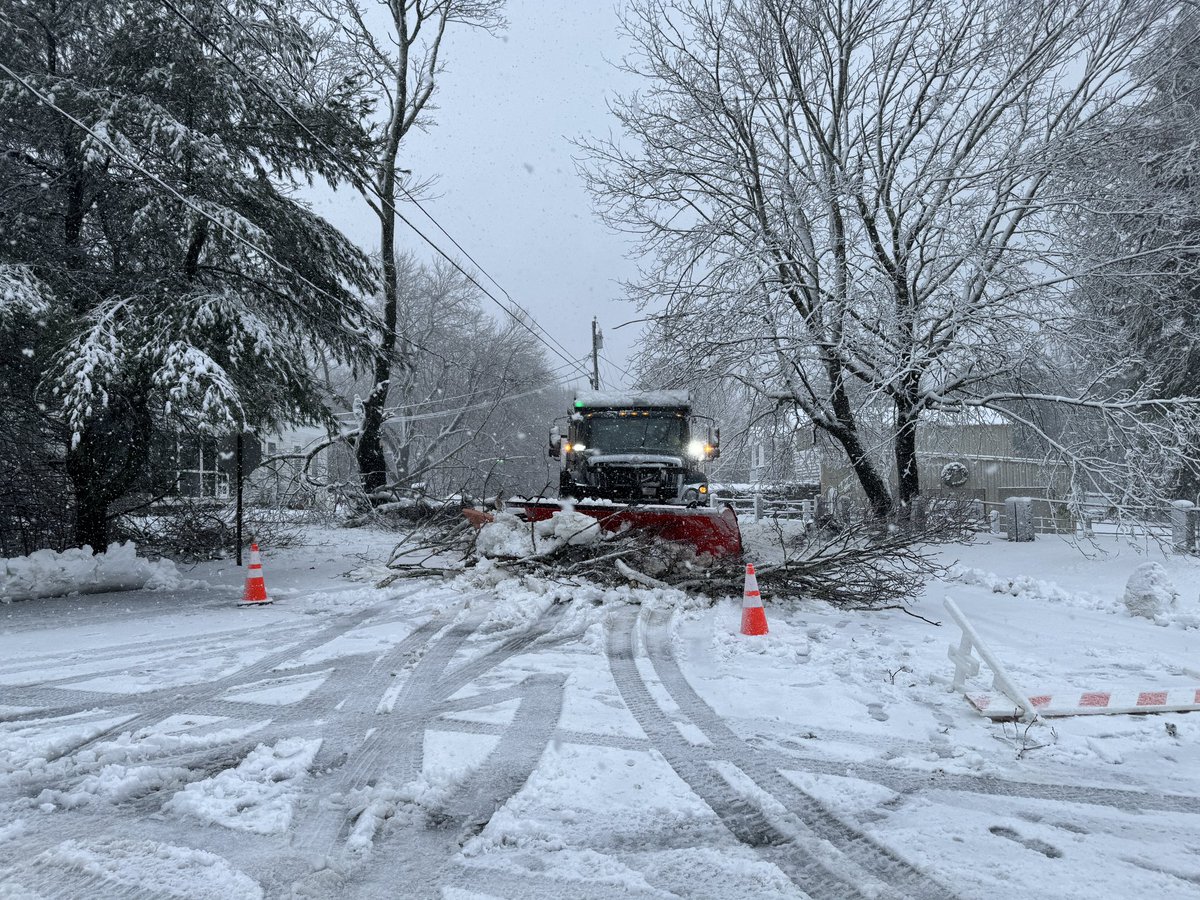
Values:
[(256, 589), (754, 619)]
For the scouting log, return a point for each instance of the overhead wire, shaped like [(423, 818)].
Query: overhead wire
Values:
[(363, 177), (560, 382), (133, 164), (493, 401), (616, 366), (104, 142), (163, 185)]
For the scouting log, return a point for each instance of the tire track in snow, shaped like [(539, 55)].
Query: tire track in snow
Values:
[(513, 759), (66, 701), (275, 721), (826, 824), (765, 765), (154, 706), (914, 781), (321, 831), (822, 854), (347, 684), (357, 685), (34, 662), (401, 736), (413, 860), (818, 873)]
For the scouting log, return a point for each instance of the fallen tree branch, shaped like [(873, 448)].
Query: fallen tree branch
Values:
[(639, 577), (858, 564)]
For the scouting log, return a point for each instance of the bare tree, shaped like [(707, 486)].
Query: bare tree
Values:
[(850, 206), (468, 409), (399, 56)]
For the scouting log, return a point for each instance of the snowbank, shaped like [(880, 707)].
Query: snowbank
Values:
[(1149, 592), (1027, 588), (47, 573)]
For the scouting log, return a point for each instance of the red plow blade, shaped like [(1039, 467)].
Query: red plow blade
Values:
[(708, 530)]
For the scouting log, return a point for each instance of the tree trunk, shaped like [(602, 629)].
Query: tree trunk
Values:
[(372, 464), (846, 433), (105, 465), (872, 483), (906, 456), (91, 519)]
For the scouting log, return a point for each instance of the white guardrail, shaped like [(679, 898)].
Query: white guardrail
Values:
[(761, 507)]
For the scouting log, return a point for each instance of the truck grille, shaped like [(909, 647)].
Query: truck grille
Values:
[(646, 483)]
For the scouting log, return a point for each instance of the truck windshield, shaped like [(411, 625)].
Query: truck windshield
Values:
[(637, 434)]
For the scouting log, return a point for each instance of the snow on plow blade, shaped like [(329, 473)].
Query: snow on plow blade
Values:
[(711, 531)]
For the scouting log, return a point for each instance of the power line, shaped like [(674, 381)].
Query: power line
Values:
[(108, 145), (569, 363), (620, 368), (364, 177), (441, 414), (561, 382)]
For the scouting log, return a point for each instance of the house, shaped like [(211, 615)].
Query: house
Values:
[(976, 456), (206, 467)]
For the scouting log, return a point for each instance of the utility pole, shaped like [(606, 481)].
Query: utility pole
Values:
[(597, 343)]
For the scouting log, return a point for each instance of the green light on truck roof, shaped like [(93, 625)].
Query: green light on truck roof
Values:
[(579, 404)]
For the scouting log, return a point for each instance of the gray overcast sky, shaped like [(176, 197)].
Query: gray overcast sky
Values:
[(507, 186)]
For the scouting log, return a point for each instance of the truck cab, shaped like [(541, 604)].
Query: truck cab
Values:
[(634, 447)]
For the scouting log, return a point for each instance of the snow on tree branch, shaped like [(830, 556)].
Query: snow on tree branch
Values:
[(198, 387), (22, 293)]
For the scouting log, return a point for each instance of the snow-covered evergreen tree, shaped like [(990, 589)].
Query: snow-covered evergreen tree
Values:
[(148, 230)]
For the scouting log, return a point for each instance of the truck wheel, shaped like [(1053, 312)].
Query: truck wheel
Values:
[(566, 487)]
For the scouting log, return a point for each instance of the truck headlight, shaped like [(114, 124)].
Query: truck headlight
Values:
[(697, 450)]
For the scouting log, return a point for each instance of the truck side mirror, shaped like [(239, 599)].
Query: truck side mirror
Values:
[(555, 443), (716, 446)]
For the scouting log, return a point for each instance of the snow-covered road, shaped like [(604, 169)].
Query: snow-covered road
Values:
[(505, 739)]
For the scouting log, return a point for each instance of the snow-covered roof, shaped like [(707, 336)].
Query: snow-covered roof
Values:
[(972, 415), (632, 399)]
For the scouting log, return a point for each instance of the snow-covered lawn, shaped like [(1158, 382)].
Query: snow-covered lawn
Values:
[(494, 738)]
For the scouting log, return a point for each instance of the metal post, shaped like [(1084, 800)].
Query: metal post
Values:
[(1019, 512), (1183, 539), (238, 514)]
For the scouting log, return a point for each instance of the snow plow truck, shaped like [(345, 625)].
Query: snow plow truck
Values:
[(634, 460)]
